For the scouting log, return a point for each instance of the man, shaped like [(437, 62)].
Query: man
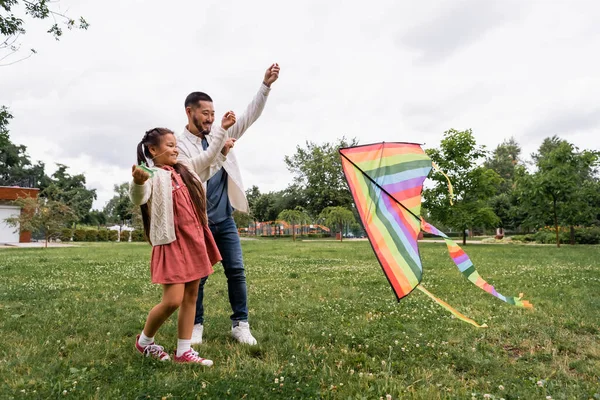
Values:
[(224, 193)]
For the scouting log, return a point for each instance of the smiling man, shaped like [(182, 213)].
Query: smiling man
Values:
[(225, 193)]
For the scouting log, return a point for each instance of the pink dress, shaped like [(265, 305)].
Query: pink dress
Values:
[(194, 252)]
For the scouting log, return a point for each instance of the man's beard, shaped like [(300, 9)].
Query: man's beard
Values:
[(199, 127)]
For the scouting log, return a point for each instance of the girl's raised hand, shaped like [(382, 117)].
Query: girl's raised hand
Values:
[(228, 120), (139, 175)]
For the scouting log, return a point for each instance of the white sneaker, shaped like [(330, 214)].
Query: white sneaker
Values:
[(242, 334), (197, 334)]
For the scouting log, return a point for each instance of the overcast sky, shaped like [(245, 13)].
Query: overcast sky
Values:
[(375, 70)]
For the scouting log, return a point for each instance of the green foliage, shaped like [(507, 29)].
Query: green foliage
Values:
[(242, 220), (79, 235), (41, 215), (564, 189), (294, 218), (120, 208), (66, 234), (138, 236), (319, 177), (473, 184), (125, 236), (94, 217), (71, 190), (91, 235), (113, 236), (16, 168), (503, 161), (337, 217), (102, 235)]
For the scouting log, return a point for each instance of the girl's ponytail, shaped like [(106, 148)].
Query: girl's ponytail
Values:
[(141, 157)]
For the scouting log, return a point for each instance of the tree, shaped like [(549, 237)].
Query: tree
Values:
[(16, 168), (503, 160), (71, 190), (12, 25), (94, 217), (337, 217), (473, 184), (264, 207), (41, 214), (293, 217), (318, 174), (242, 220), (119, 208), (560, 189)]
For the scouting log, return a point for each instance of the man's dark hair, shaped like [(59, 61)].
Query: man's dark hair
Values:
[(194, 98)]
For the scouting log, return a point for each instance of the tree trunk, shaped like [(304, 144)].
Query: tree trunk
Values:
[(46, 237), (556, 224), (341, 232), (464, 237), (293, 232), (572, 235)]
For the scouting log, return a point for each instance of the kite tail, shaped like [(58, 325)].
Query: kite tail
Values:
[(466, 267), (448, 307)]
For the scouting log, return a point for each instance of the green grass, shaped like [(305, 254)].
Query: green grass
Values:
[(326, 320)]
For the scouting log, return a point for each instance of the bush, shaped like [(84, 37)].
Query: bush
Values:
[(590, 235), (124, 236), (103, 235), (91, 236), (113, 236), (138, 236), (79, 235), (66, 235)]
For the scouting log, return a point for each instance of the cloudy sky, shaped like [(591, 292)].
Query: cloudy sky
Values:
[(376, 70)]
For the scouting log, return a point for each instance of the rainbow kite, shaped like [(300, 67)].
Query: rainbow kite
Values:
[(386, 181)]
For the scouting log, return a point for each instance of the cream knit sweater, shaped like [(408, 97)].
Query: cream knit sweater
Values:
[(157, 191)]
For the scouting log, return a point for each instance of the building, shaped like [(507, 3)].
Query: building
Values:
[(7, 210)]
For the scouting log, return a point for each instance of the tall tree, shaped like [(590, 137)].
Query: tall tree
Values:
[(318, 174), (474, 184), (16, 168), (503, 160), (264, 208), (71, 190), (42, 215), (559, 191), (120, 208)]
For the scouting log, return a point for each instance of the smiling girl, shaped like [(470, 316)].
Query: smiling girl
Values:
[(173, 205)]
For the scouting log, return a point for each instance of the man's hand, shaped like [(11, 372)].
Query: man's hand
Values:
[(271, 75), (228, 120), (228, 146), (139, 175)]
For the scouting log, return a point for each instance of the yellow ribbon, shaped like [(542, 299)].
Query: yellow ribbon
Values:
[(450, 189)]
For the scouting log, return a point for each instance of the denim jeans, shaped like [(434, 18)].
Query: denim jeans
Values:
[(228, 241)]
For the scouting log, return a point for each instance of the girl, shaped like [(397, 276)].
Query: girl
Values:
[(173, 203)]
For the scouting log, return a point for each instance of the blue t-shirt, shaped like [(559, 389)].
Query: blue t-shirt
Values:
[(217, 201)]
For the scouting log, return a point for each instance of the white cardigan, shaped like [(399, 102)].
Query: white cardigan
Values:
[(157, 191)]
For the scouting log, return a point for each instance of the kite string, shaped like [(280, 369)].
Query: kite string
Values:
[(450, 189)]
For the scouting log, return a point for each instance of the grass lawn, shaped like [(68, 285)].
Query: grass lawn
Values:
[(326, 320)]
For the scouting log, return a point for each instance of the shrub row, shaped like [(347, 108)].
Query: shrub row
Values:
[(102, 235), (589, 235)]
